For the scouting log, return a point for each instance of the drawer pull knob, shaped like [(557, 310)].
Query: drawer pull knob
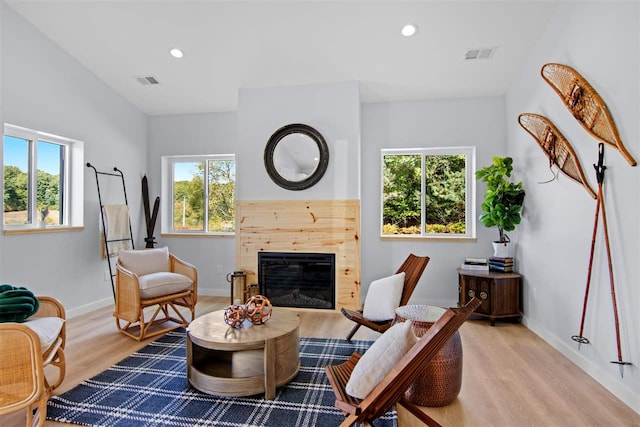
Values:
[(483, 295), (471, 293)]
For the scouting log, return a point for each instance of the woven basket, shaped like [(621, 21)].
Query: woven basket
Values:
[(441, 379)]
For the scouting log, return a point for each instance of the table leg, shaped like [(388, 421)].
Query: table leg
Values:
[(269, 369)]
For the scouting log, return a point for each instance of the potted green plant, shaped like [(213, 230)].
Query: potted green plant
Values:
[(503, 200)]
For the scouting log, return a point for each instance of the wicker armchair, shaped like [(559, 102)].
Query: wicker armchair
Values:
[(22, 382), (153, 278), (51, 309)]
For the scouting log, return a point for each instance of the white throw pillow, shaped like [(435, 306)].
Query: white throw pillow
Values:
[(380, 358), (383, 297), (145, 261)]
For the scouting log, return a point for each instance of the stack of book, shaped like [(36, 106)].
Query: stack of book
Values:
[(480, 264), (504, 265)]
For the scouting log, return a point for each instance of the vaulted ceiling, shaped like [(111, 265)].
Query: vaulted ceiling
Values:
[(229, 45)]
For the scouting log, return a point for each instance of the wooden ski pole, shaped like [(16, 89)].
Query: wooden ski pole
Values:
[(580, 338), (619, 362)]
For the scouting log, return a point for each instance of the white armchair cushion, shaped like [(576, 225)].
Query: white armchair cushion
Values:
[(163, 283), (383, 355), (145, 261), (383, 297), (46, 328)]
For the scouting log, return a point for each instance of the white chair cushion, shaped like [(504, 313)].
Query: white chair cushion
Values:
[(47, 329), (380, 358), (145, 261), (163, 283), (383, 297)]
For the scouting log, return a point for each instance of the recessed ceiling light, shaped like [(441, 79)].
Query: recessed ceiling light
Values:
[(176, 53), (409, 30)]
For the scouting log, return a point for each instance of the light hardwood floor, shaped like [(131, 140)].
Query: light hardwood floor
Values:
[(510, 376)]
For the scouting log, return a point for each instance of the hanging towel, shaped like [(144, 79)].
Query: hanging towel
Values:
[(116, 221)]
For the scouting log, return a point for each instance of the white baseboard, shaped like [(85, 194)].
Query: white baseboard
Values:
[(88, 308), (105, 302), (213, 292), (594, 371)]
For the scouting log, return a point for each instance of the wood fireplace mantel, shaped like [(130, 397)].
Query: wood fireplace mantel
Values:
[(325, 226)]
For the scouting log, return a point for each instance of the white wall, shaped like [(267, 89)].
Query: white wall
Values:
[(333, 109), (43, 88), (601, 41), (195, 134), (440, 123)]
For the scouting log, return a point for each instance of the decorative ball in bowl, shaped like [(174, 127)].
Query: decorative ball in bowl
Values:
[(258, 309), (235, 315)]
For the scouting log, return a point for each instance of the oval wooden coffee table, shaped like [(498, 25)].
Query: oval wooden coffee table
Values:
[(242, 362)]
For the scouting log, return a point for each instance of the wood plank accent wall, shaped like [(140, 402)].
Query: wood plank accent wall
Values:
[(324, 226)]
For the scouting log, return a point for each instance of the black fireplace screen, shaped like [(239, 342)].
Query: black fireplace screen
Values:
[(293, 279)]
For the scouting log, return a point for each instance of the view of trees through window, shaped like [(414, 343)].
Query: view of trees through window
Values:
[(198, 201), (439, 206), (18, 208)]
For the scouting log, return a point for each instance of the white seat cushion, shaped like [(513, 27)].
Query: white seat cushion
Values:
[(47, 329), (163, 283), (383, 297), (145, 261), (380, 358)]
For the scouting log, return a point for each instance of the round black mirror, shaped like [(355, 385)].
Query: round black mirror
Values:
[(296, 156)]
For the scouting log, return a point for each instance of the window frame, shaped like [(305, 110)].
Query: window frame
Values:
[(167, 191), (71, 190), (470, 199)]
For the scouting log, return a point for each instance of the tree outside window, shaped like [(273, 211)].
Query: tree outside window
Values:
[(35, 172), (199, 204), (428, 192)]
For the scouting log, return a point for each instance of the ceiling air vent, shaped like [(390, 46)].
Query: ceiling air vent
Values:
[(147, 80), (480, 53)]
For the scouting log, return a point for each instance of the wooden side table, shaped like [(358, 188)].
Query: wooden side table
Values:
[(242, 362), (499, 293)]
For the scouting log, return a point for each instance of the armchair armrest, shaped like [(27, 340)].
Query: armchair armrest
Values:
[(127, 293), (49, 307), (181, 267)]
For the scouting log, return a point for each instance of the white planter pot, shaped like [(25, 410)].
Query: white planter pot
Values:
[(502, 250)]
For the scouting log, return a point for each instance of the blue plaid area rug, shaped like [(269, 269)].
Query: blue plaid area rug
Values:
[(149, 388)]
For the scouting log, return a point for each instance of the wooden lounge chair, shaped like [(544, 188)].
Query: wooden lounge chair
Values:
[(413, 267), (393, 386)]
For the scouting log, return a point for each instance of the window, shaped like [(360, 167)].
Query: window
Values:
[(201, 191), (428, 192), (37, 180)]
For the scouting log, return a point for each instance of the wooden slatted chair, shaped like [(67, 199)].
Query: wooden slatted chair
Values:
[(393, 386), (413, 267)]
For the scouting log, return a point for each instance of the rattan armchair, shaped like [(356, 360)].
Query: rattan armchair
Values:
[(22, 382), (157, 280), (53, 355)]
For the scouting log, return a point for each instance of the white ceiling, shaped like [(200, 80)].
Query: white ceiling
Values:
[(242, 44)]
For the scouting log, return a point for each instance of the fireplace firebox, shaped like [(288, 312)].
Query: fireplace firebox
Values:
[(295, 279)]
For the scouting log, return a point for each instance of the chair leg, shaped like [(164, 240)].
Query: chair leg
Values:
[(353, 331), (60, 363)]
